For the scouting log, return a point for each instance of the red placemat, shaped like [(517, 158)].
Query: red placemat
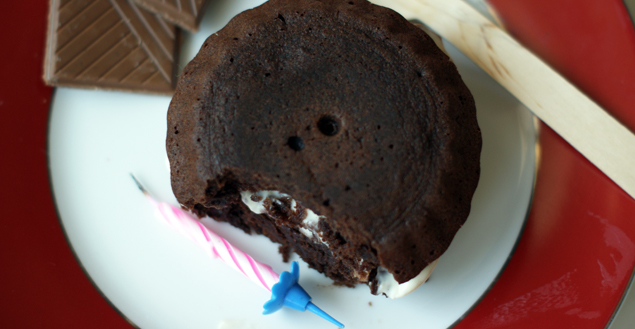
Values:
[(570, 268), (42, 285)]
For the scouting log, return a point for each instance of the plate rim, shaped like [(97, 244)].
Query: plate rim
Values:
[(519, 234)]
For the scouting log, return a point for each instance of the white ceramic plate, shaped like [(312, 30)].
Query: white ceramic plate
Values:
[(159, 279)]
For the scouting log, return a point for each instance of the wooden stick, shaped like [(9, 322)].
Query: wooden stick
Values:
[(587, 127)]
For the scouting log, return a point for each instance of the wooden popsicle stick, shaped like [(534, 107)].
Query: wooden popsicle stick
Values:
[(587, 127)]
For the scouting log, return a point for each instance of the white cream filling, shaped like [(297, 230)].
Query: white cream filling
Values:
[(311, 225), (310, 222), (386, 283), (258, 206)]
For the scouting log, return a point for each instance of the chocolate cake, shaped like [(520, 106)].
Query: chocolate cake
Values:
[(335, 128)]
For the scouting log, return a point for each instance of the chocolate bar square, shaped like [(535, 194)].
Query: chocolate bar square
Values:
[(184, 13), (110, 44)]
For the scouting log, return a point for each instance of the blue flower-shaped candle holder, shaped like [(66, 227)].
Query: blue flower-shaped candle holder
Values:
[(288, 293)]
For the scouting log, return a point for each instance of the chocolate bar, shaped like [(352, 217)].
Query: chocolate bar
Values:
[(184, 13), (110, 44)]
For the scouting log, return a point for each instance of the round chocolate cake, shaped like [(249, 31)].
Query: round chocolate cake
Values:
[(337, 129)]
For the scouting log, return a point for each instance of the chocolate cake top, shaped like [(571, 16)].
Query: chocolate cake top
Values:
[(345, 106)]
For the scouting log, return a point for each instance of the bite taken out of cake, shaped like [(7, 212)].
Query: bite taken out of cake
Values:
[(335, 128)]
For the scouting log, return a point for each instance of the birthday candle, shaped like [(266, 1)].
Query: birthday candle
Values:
[(286, 292), (216, 246)]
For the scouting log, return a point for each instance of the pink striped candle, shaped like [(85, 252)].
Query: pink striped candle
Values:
[(286, 293), (215, 245)]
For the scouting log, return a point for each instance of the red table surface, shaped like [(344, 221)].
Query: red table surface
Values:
[(572, 263)]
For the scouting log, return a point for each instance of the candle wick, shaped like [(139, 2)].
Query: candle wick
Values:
[(139, 185)]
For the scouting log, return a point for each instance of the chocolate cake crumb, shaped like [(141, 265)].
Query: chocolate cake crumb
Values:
[(285, 251)]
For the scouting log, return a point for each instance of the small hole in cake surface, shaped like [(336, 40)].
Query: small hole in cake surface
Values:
[(347, 188), (295, 143), (326, 202), (280, 17), (432, 252), (328, 125)]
